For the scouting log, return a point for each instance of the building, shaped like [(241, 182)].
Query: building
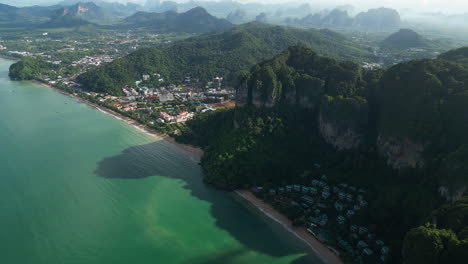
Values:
[(184, 116), (167, 117), (166, 97)]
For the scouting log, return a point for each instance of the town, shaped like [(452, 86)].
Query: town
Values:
[(164, 109)]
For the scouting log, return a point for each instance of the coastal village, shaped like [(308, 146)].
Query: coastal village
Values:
[(165, 108), (330, 213)]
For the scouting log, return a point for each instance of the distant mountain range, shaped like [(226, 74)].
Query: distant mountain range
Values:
[(196, 20), (380, 19), (56, 15)]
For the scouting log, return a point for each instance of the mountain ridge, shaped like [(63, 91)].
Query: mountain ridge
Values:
[(196, 20), (217, 54)]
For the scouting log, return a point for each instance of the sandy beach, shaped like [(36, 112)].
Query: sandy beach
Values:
[(321, 250)]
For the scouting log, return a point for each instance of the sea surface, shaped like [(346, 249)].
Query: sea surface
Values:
[(78, 186)]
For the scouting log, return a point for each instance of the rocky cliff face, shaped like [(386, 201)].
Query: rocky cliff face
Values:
[(343, 121), (417, 119), (400, 153), (346, 139)]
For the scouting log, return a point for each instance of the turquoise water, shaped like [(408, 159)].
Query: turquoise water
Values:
[(78, 186)]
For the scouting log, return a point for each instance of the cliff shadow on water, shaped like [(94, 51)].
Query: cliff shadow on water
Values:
[(159, 159)]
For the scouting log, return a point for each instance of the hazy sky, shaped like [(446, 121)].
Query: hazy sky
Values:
[(458, 6)]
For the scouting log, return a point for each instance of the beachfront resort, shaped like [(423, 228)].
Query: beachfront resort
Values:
[(331, 213)]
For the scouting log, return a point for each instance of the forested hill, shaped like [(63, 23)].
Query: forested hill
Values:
[(459, 55), (405, 38), (217, 54), (196, 20), (399, 133)]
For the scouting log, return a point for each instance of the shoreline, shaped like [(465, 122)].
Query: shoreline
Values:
[(6, 57), (188, 149), (319, 248)]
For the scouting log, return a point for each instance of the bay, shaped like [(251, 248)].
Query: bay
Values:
[(78, 186)]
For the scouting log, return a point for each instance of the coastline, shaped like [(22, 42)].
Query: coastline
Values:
[(6, 57), (188, 149), (320, 249)]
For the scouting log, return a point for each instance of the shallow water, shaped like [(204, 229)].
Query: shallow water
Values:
[(78, 186)]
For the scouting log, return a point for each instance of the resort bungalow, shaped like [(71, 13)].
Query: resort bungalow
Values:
[(363, 230), (349, 197), (350, 213), (379, 243), (258, 189), (370, 238), (336, 189), (341, 195), (315, 183), (345, 245), (313, 190), (280, 190), (305, 189), (385, 251), (339, 206), (289, 188), (325, 195), (323, 220), (341, 219), (307, 199), (367, 252), (363, 203), (272, 191), (362, 244), (297, 188), (354, 228)]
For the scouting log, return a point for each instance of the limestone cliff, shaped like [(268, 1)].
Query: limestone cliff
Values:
[(343, 121), (401, 153)]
